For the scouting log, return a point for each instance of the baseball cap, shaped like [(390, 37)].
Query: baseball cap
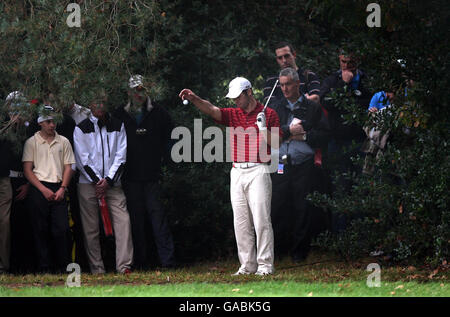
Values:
[(16, 99), (43, 116), (236, 86), (135, 81), (14, 95), (401, 62)]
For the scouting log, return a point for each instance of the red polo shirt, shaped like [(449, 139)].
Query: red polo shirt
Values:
[(245, 139)]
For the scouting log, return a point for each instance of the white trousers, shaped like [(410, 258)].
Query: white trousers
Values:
[(251, 195)]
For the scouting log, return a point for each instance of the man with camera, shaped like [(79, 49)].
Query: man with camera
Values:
[(299, 119)]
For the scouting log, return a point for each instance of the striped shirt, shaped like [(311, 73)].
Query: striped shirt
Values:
[(244, 137)]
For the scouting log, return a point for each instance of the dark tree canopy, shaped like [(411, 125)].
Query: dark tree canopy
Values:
[(204, 44)]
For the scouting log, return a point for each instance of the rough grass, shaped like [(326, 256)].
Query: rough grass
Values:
[(319, 275)]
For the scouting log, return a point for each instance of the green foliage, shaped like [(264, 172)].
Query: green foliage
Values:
[(201, 45), (402, 208)]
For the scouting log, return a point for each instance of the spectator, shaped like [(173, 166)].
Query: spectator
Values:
[(100, 152), (65, 127), (350, 80), (309, 81), (47, 159), (22, 250), (148, 127), (291, 214), (380, 100), (70, 115), (310, 88), (376, 140), (5, 206), (251, 186)]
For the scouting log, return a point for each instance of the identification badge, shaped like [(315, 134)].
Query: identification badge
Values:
[(280, 169)]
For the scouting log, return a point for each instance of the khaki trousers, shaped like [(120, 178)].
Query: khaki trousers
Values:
[(89, 210), (251, 195), (5, 229)]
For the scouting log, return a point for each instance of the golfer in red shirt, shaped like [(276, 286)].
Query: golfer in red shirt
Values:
[(251, 185)]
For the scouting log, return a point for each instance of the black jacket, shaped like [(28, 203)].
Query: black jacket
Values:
[(5, 158), (338, 129), (10, 154), (147, 143), (310, 113)]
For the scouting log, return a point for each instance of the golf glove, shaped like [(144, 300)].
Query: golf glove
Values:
[(261, 121)]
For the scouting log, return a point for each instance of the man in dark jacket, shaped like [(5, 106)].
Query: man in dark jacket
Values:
[(299, 121), (309, 81), (5, 205), (286, 56), (347, 81), (148, 128), (22, 254)]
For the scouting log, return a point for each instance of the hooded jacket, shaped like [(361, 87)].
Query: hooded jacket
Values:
[(100, 150)]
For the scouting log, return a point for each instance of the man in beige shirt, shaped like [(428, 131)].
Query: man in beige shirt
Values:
[(47, 159)]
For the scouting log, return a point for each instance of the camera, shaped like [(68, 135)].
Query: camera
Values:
[(303, 114)]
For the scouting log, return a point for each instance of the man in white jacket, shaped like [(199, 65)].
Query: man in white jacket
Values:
[(100, 151)]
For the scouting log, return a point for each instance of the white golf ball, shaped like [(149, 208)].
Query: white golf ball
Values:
[(185, 102)]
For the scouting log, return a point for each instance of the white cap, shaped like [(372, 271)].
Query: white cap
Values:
[(402, 63), (42, 117), (236, 86), (135, 81), (14, 95)]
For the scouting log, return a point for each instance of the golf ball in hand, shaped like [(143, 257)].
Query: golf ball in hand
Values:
[(185, 102)]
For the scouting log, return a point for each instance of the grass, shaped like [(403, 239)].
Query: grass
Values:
[(319, 276), (250, 289)]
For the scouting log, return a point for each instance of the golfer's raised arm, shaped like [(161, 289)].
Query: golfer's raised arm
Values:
[(203, 105)]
